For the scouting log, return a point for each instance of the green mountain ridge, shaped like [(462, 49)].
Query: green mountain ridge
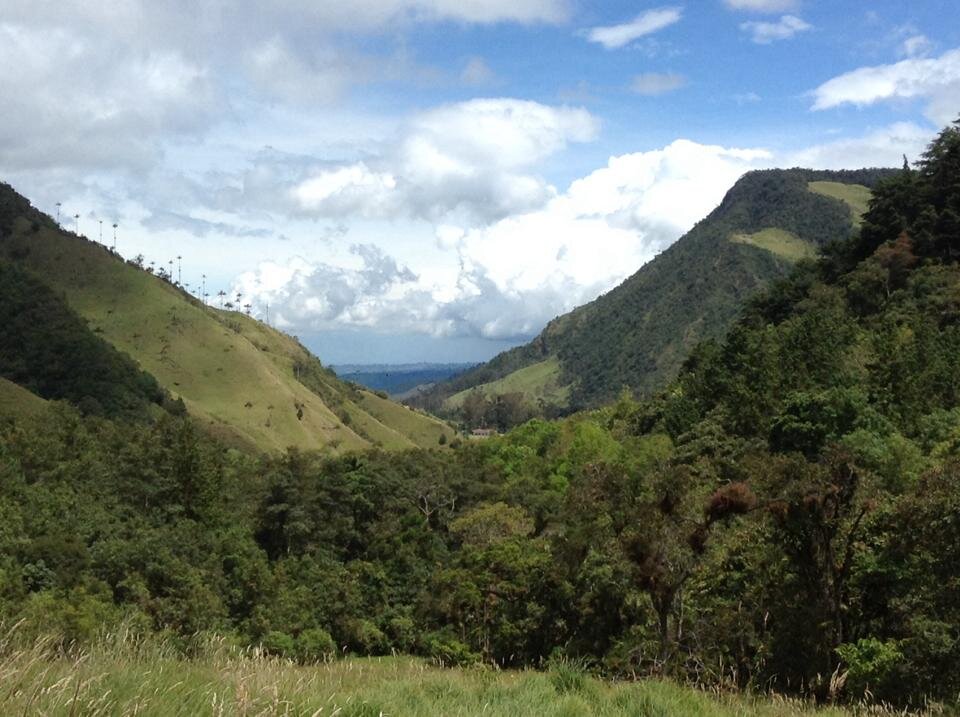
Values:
[(638, 334), (245, 382)]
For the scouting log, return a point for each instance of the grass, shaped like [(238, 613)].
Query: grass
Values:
[(19, 402), (121, 676), (235, 374), (784, 244), (539, 381), (855, 196)]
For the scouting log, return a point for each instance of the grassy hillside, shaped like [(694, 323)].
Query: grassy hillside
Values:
[(247, 383), (128, 679), (778, 242), (48, 349), (856, 196), (17, 402), (638, 334), (539, 382)]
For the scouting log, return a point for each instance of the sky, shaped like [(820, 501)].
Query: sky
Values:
[(397, 181)]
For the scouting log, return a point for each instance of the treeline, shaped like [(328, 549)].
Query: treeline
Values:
[(786, 515)]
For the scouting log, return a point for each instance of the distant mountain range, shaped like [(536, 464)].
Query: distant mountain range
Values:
[(400, 380), (638, 335)]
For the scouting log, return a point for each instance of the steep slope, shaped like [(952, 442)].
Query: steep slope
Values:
[(638, 334), (48, 349), (18, 402), (249, 384)]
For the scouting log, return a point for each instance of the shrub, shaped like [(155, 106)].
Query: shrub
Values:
[(314, 645), (278, 643)]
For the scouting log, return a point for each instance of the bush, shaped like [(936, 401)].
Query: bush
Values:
[(445, 649), (315, 645), (870, 664), (278, 643)]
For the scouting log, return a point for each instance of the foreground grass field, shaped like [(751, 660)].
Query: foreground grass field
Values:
[(122, 677)]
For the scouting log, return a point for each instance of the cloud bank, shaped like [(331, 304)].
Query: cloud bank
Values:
[(520, 271)]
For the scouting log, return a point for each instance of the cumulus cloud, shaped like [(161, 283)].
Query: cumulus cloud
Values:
[(304, 295), (470, 159), (765, 33), (647, 23), (89, 85), (68, 102), (936, 80), (517, 273), (770, 6), (656, 83)]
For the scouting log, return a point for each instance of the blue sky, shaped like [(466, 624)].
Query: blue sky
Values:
[(433, 180)]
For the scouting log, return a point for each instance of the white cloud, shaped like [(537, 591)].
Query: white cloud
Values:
[(765, 33), (517, 273), (646, 23), (68, 102), (936, 80), (348, 190), (655, 83), (884, 147), (303, 295), (916, 46), (471, 160), (770, 6), (92, 84), (283, 74)]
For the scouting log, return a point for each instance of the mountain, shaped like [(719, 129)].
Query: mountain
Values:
[(399, 380), (245, 382), (639, 334)]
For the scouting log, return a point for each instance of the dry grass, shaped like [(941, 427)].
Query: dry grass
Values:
[(124, 676)]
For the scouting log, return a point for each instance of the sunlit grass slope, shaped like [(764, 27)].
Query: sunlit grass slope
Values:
[(538, 382), (17, 402), (126, 679), (783, 244), (236, 375), (855, 196)]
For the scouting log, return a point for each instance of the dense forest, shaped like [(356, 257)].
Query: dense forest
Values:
[(784, 516)]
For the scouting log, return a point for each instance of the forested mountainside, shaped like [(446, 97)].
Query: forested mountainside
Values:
[(784, 516), (638, 334), (81, 324)]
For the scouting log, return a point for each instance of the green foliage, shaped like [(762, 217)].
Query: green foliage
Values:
[(870, 664), (639, 334), (786, 511), (249, 385), (46, 348)]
